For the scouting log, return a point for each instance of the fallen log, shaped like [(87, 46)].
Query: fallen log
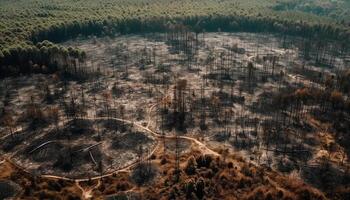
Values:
[(92, 158), (89, 147), (42, 145)]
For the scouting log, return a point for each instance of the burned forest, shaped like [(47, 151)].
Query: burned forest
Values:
[(187, 109)]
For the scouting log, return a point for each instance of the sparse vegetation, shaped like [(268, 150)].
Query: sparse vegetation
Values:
[(179, 99)]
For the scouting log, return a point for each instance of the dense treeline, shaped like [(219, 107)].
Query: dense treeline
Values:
[(44, 57), (21, 58), (333, 8), (197, 23)]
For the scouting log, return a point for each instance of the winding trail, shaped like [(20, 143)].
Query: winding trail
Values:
[(149, 115), (87, 193), (202, 147)]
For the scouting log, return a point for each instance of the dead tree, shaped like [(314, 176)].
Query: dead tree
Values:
[(250, 75), (202, 123), (121, 114), (180, 106), (177, 159), (8, 121)]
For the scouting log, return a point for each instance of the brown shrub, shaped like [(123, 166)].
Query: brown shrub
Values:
[(309, 194), (191, 166), (246, 170), (230, 165), (153, 157), (123, 186), (204, 161), (208, 173)]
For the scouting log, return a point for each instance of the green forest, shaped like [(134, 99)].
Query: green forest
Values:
[(29, 29)]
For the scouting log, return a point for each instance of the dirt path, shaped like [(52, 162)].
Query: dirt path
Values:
[(123, 169), (149, 115), (193, 140), (13, 133), (87, 193), (202, 147)]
